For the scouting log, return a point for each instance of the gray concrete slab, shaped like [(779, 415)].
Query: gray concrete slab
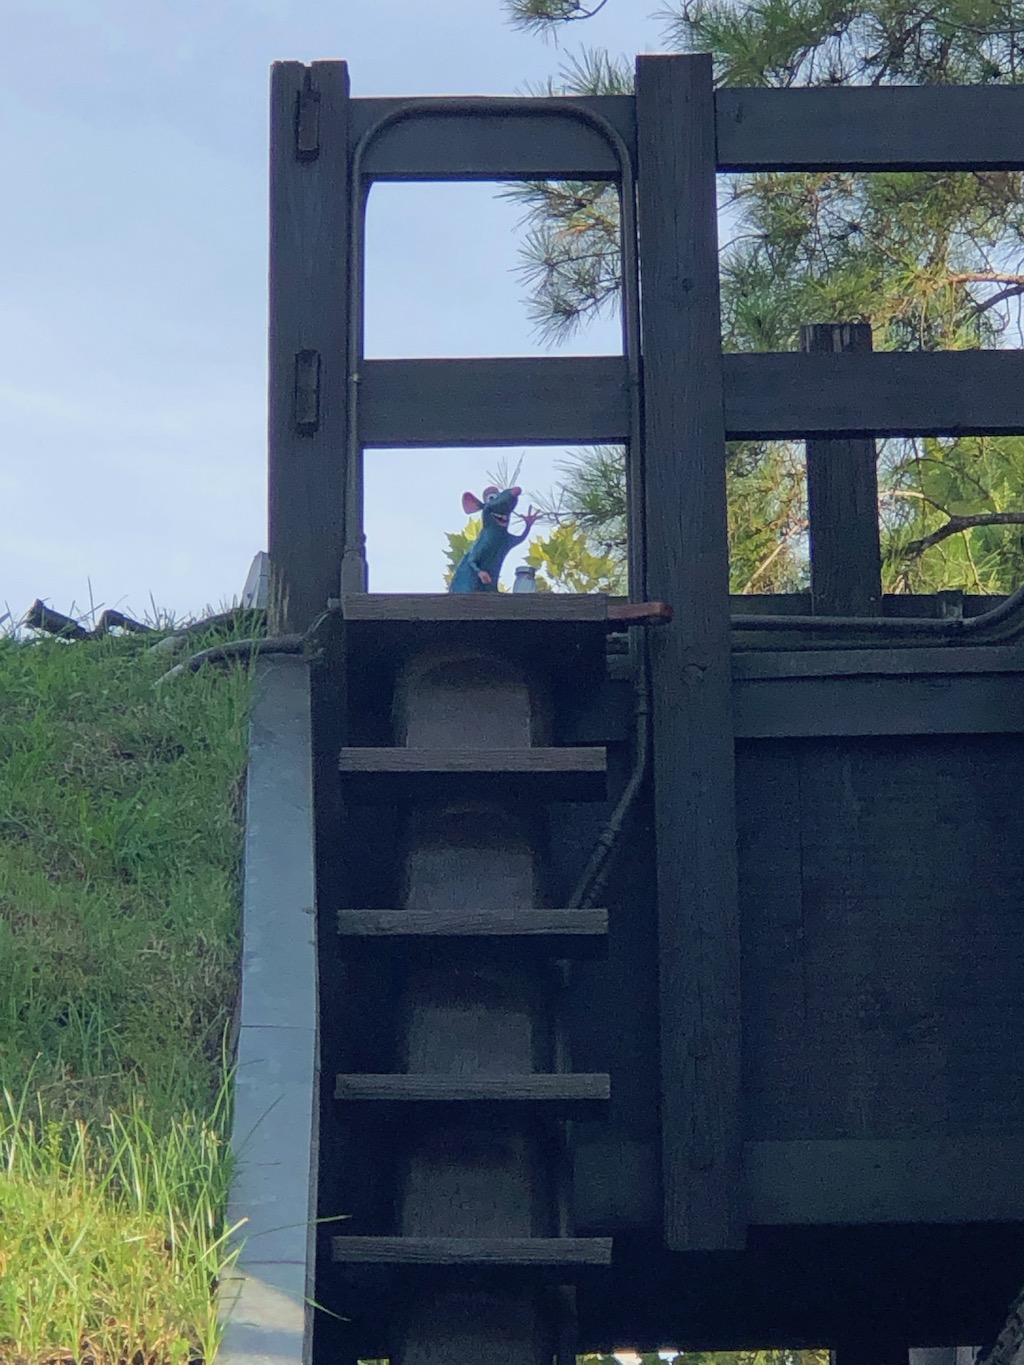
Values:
[(265, 1314), (276, 1085), (278, 947)]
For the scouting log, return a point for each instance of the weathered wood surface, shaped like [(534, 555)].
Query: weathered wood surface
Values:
[(871, 128), (579, 399), (882, 938), (491, 144), (538, 761), (842, 499), (900, 663), (309, 236), (684, 463), (550, 400), (558, 1252), (886, 1180), (883, 704), (901, 605), (556, 931), (552, 1091), (883, 393), (895, 128), (870, 1347), (440, 607)]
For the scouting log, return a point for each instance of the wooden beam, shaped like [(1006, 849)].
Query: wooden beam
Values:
[(559, 1252), (556, 933), (695, 823), (870, 1350), (309, 237), (883, 393), (560, 400), (405, 774), (568, 1094), (894, 128), (930, 662), (842, 498), (954, 704), (438, 608), (886, 1180), (441, 144), (553, 400)]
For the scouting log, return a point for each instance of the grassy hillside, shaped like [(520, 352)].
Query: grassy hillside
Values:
[(120, 841)]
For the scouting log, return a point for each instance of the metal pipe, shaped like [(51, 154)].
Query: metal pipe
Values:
[(954, 629)]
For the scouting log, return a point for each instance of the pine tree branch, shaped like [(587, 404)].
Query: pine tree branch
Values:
[(914, 548), (540, 16), (766, 563), (1011, 291), (985, 277)]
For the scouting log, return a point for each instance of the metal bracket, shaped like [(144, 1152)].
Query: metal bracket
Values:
[(307, 392), (307, 122)]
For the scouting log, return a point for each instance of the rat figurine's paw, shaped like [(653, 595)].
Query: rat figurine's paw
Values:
[(484, 576), (530, 517)]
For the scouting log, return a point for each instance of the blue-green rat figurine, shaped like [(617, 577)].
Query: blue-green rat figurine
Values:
[(480, 566)]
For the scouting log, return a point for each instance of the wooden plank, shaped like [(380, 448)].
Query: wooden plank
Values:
[(775, 1023), (552, 931), (557, 1252), (883, 393), (427, 403), (912, 938), (842, 499), (569, 1092), (871, 128), (309, 235), (969, 704), (898, 605), (548, 400), (405, 762), (482, 139), (684, 461), (868, 1348), (481, 606), (920, 1180), (403, 774), (847, 663)]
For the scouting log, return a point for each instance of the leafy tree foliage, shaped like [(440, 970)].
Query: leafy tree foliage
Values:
[(931, 260)]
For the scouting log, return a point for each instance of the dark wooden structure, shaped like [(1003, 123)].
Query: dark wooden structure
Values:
[(769, 1092)]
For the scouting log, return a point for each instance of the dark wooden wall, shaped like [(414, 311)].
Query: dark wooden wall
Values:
[(840, 1034)]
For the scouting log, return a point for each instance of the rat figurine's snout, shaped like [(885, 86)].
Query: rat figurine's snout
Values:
[(480, 566)]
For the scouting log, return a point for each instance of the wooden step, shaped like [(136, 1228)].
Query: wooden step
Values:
[(559, 633), (427, 1252), (501, 608), (399, 774), (557, 608), (561, 1094), (553, 933)]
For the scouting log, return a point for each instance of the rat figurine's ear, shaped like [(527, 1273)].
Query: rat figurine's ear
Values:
[(491, 492), (471, 503)]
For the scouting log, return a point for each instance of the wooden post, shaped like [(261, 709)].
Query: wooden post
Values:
[(842, 500), (685, 506), (309, 236), (869, 1352)]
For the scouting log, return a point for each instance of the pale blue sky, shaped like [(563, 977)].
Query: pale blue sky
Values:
[(133, 140)]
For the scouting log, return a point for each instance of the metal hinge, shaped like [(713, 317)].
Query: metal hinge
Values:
[(307, 122), (307, 392)]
